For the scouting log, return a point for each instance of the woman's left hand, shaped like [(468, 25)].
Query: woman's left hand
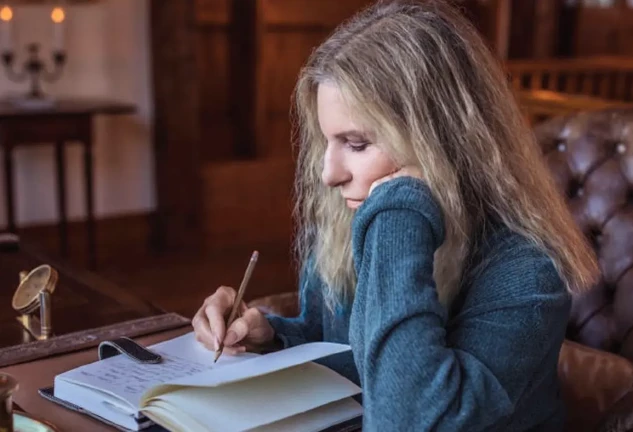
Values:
[(407, 171)]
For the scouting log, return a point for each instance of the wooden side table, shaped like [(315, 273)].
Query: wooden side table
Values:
[(67, 120)]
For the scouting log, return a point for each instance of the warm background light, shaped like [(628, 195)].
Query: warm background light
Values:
[(6, 14), (58, 15)]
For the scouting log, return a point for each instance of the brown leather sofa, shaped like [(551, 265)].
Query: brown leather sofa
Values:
[(591, 157)]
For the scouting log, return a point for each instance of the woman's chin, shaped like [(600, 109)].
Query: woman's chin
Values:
[(353, 204)]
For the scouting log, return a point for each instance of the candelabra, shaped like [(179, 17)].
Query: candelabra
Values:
[(34, 70)]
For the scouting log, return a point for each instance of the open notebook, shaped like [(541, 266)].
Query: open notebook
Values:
[(280, 391)]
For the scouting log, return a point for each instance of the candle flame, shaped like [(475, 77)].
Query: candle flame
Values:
[(58, 15), (6, 14)]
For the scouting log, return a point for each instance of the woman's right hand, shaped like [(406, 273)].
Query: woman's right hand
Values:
[(251, 329)]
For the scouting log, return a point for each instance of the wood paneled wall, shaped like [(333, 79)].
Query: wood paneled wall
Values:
[(225, 65), (224, 72), (604, 30), (248, 56), (176, 125), (287, 31), (250, 202), (238, 71), (534, 29)]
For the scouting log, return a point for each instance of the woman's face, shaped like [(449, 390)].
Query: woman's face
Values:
[(352, 161)]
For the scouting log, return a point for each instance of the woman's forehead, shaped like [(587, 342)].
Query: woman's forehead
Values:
[(337, 115)]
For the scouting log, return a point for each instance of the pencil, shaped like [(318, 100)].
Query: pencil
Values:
[(238, 299)]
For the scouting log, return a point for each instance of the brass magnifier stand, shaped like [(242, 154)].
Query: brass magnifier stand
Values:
[(34, 294)]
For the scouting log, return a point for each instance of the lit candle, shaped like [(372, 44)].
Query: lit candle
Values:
[(6, 28), (58, 16)]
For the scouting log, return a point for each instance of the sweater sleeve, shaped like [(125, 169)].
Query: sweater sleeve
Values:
[(413, 377), (308, 326)]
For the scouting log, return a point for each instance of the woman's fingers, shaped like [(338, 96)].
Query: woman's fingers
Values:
[(201, 328), (209, 322), (234, 350), (246, 328)]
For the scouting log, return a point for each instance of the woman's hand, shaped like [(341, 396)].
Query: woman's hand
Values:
[(250, 329), (407, 171)]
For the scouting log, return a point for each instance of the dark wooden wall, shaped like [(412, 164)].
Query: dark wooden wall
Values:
[(600, 31), (287, 31), (224, 72), (248, 55), (225, 159), (534, 28), (225, 60), (176, 124), (550, 28)]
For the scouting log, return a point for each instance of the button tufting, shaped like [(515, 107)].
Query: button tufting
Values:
[(561, 147), (580, 192), (620, 148)]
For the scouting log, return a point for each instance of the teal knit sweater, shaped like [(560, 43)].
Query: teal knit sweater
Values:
[(490, 363)]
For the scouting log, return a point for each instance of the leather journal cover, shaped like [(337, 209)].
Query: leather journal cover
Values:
[(48, 393)]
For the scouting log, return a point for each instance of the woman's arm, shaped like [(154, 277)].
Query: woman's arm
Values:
[(413, 378), (308, 326)]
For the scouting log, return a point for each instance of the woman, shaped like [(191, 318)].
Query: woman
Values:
[(432, 238)]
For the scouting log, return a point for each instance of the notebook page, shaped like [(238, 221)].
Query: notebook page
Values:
[(318, 419), (254, 402), (127, 380), (263, 365)]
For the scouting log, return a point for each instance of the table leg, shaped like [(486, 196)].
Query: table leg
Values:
[(61, 196), (88, 172), (8, 184)]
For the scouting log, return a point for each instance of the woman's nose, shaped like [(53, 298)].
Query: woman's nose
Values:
[(334, 171)]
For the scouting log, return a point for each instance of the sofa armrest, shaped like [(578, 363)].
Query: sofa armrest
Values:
[(596, 387)]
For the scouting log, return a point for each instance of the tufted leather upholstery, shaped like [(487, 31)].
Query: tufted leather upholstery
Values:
[(591, 157)]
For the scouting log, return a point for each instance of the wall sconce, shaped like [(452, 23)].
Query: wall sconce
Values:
[(35, 69)]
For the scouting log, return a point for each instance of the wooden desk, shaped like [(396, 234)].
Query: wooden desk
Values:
[(81, 301), (67, 120)]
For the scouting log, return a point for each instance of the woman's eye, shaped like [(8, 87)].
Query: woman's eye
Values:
[(357, 146)]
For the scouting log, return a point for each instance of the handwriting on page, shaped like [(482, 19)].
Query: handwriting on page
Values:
[(132, 379), (182, 357), (129, 379)]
